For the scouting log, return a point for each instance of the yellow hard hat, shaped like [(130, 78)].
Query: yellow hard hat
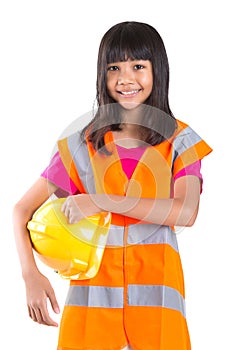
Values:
[(73, 250)]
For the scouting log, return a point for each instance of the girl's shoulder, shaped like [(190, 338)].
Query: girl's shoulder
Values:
[(187, 142), (185, 131), (182, 133)]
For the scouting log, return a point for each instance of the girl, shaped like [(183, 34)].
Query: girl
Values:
[(138, 162)]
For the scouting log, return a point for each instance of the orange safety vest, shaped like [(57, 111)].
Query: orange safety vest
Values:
[(138, 295)]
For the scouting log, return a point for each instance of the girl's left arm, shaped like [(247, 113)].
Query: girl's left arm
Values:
[(181, 210)]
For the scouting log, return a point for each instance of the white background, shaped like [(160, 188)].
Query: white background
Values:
[(47, 80)]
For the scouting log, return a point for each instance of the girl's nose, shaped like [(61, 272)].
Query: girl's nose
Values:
[(126, 76)]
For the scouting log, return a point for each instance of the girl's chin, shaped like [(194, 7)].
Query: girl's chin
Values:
[(129, 105)]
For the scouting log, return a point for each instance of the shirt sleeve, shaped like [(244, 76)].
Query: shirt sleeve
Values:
[(57, 174), (192, 169)]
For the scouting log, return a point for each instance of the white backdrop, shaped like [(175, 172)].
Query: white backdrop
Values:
[(47, 80)]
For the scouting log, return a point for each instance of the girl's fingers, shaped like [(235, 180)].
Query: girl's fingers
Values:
[(54, 302), (41, 316)]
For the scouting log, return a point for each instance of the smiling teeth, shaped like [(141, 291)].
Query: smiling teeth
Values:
[(129, 92)]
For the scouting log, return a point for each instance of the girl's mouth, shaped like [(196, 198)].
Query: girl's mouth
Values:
[(129, 93)]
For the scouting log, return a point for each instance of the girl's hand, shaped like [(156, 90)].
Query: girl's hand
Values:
[(38, 289), (77, 207)]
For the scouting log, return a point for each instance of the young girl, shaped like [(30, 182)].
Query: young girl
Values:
[(138, 162)]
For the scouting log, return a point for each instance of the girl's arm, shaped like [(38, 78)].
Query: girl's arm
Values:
[(38, 287), (181, 210)]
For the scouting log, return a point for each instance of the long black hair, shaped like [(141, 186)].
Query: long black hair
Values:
[(135, 41)]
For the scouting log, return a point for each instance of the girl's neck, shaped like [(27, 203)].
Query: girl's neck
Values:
[(129, 136)]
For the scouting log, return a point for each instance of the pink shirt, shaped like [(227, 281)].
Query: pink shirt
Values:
[(57, 174), (129, 158)]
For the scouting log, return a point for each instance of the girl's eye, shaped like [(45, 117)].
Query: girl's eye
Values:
[(138, 66), (112, 68)]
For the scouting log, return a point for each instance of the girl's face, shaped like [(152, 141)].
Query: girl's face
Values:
[(130, 82)]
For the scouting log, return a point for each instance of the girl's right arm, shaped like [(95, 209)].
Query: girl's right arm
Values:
[(38, 287)]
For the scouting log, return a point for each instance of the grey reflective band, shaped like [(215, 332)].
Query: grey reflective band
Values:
[(80, 155), (183, 141), (115, 236), (153, 295), (142, 234), (138, 295), (95, 296), (152, 234)]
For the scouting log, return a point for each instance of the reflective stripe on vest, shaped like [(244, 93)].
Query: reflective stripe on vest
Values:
[(95, 296), (191, 138), (142, 234), (79, 159), (138, 295), (151, 234)]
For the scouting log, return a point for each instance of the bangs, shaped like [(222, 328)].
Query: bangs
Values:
[(128, 44)]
